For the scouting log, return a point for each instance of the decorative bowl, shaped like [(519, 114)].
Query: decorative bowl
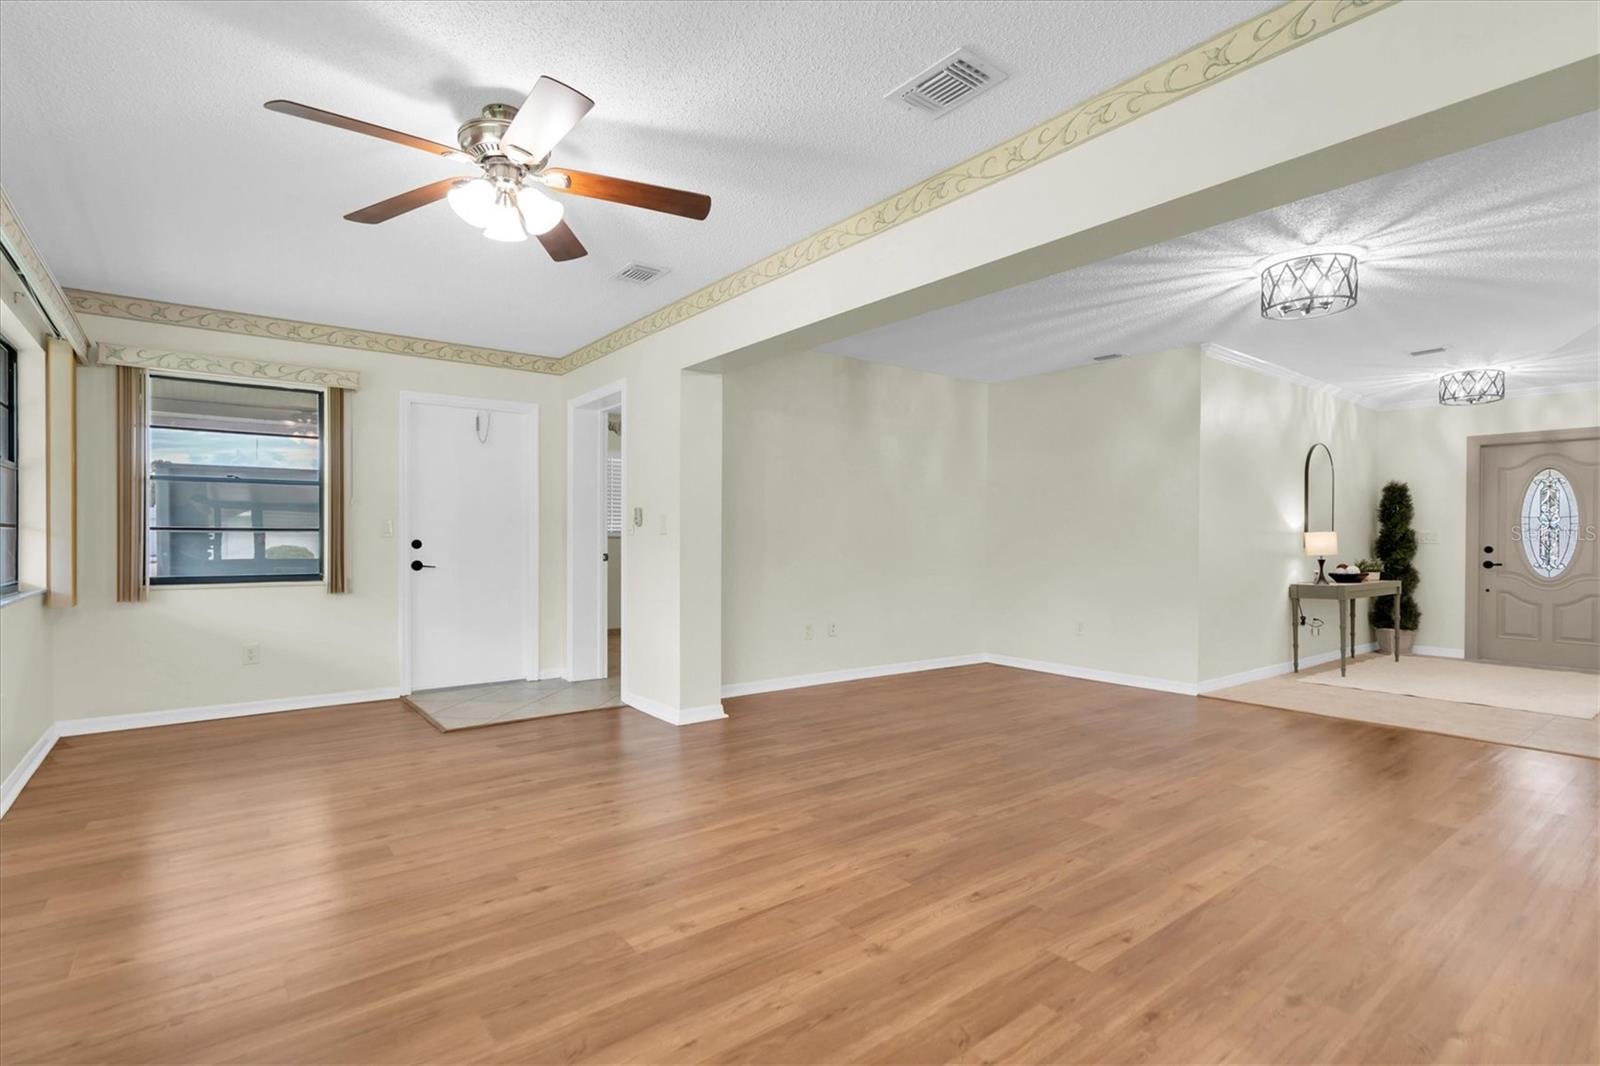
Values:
[(1345, 577)]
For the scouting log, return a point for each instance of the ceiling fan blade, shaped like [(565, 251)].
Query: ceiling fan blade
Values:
[(384, 210), (355, 125), (546, 116), (562, 243), (633, 193)]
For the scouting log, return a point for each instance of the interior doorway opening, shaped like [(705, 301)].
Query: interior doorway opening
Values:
[(613, 552), (597, 527)]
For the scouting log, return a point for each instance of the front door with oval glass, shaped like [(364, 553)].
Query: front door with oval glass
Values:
[(1536, 566)]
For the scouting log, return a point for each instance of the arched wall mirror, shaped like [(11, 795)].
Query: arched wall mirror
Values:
[(1321, 538), (1319, 489)]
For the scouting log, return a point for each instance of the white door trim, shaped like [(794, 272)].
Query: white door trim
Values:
[(530, 502), (586, 587)]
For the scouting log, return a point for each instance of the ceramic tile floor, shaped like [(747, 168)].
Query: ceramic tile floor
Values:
[(472, 706)]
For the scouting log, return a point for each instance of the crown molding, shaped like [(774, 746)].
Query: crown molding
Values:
[(36, 275), (225, 366), (1250, 43), (236, 322), (1223, 354)]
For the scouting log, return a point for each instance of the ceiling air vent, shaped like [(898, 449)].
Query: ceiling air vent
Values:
[(949, 83), (1107, 357), (639, 274), (1427, 351)]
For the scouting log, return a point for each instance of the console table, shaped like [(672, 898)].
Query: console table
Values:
[(1342, 593)]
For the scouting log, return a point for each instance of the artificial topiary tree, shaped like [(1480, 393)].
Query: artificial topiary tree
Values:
[(1395, 548)]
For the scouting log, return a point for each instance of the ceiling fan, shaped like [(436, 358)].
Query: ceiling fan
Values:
[(511, 147)]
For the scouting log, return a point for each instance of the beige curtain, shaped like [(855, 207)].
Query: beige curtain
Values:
[(132, 469), (333, 435)]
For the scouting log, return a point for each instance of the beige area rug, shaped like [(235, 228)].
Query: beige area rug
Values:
[(1498, 725), (1563, 692)]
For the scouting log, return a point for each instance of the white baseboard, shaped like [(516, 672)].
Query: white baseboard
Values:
[(1085, 673), (112, 723), (1261, 673), (859, 673), (23, 771), (674, 715), (1438, 651), (552, 673)]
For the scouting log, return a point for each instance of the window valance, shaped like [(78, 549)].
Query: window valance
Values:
[(225, 365)]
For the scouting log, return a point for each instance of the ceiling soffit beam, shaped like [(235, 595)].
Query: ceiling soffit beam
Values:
[(1551, 96), (1249, 44), (36, 277)]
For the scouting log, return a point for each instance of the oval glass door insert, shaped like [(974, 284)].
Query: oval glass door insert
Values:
[(1549, 523)]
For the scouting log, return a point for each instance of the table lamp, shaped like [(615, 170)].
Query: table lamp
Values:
[(1320, 545)]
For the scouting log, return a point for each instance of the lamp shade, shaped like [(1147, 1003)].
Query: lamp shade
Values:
[(1323, 544), (539, 212)]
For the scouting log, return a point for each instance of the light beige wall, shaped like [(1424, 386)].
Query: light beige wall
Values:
[(1426, 447), (853, 497), (25, 678), (1093, 516), (1254, 433), (183, 647)]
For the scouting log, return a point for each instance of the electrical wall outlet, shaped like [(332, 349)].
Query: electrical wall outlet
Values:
[(833, 629), (1077, 630), (808, 631), (252, 654)]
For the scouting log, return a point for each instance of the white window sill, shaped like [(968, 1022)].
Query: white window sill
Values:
[(198, 586), (22, 592)]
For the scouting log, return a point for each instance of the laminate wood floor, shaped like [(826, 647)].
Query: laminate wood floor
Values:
[(977, 864)]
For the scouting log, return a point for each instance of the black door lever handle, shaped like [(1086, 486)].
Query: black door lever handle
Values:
[(1487, 565), (418, 564)]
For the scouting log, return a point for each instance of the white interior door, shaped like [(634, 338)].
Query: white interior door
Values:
[(468, 543)]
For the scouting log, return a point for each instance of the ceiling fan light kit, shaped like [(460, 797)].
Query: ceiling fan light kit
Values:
[(511, 148)]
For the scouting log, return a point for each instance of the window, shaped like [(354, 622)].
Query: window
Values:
[(9, 503), (1549, 531), (235, 483), (613, 495)]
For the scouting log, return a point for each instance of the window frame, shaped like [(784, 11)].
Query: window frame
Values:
[(9, 448), (321, 576)]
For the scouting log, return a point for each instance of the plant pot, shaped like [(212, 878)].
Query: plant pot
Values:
[(1408, 637), (1371, 575)]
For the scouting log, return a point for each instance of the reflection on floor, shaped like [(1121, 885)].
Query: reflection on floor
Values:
[(473, 706), (1502, 725)]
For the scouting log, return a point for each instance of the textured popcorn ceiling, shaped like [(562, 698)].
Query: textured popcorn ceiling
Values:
[(1492, 253), (134, 145)]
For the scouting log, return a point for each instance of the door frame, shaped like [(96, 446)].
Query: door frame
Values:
[(530, 510), (586, 582), (1475, 446)]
